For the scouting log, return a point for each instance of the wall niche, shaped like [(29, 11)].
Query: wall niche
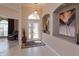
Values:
[(45, 23), (65, 22)]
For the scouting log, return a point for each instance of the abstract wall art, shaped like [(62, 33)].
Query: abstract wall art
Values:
[(67, 22), (45, 23)]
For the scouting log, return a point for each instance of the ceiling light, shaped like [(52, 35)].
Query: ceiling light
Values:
[(35, 12)]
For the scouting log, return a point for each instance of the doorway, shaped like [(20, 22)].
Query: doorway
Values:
[(34, 27), (8, 33)]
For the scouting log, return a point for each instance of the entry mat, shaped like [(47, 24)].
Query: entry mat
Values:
[(31, 44)]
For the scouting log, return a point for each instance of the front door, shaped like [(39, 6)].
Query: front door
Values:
[(34, 30)]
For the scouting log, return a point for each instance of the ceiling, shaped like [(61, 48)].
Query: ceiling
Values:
[(16, 6), (13, 6), (35, 4)]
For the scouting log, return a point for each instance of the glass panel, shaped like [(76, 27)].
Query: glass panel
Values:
[(30, 28), (3, 28), (35, 36), (34, 16), (29, 35), (35, 27), (1, 32), (35, 31), (29, 24)]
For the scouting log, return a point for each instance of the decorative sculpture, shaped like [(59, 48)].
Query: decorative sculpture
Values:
[(24, 39), (45, 22)]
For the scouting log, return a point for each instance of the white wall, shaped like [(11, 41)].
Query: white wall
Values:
[(8, 12), (13, 6), (48, 9), (61, 46)]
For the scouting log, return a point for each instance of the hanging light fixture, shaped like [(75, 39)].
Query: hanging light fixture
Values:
[(35, 12)]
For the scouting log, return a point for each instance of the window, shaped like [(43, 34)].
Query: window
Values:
[(3, 28), (34, 16)]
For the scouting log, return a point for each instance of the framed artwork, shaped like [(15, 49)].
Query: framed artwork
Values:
[(45, 22), (67, 22)]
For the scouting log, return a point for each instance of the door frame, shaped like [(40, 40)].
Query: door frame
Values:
[(34, 21)]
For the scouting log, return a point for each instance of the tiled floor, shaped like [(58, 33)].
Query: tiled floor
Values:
[(9, 48)]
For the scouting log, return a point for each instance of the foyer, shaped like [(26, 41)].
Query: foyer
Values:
[(54, 24)]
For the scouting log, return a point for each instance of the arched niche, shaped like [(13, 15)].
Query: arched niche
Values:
[(45, 23)]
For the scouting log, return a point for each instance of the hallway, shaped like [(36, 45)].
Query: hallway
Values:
[(11, 48)]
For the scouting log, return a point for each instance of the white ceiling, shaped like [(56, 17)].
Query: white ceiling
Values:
[(34, 4), (13, 6)]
